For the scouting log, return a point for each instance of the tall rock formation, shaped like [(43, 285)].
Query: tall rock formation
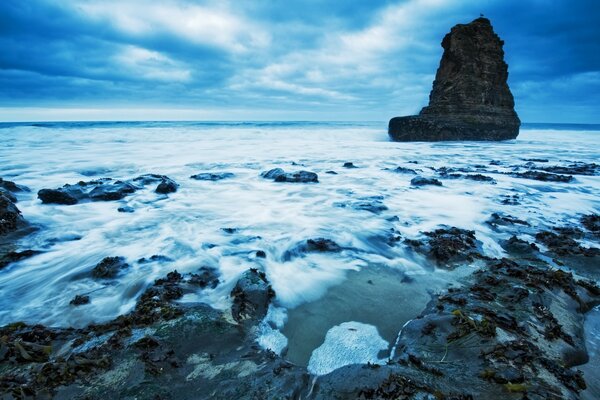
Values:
[(470, 99)]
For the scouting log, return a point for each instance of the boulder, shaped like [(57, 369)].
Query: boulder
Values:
[(166, 186), (251, 295), (470, 99), (422, 181), (10, 216), (279, 175)]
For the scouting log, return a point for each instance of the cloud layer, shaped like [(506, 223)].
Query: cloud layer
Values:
[(331, 60)]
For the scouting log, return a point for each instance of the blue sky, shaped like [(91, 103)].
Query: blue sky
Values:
[(283, 60)]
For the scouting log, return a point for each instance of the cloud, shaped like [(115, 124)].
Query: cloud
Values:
[(209, 25), (375, 59)]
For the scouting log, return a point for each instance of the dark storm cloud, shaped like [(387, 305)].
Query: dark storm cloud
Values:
[(374, 59)]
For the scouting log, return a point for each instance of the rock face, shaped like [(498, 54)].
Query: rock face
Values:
[(470, 99)]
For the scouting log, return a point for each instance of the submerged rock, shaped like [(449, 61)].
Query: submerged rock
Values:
[(543, 176), (80, 300), (109, 267), (279, 175), (212, 176), (422, 181), (14, 256), (470, 99), (349, 164)]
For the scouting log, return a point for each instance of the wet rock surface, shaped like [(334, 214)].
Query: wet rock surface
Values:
[(514, 327), (279, 175), (448, 246), (470, 99), (10, 216), (109, 267), (212, 176), (543, 176), (422, 181), (105, 189)]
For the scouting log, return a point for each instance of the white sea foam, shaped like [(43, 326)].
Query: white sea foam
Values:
[(345, 344), (274, 217)]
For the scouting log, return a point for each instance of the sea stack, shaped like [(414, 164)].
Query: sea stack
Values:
[(470, 99)]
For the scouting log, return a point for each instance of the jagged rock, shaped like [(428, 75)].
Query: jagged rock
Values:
[(206, 277), (109, 267), (251, 295), (10, 216), (80, 300), (470, 99), (14, 256), (279, 175)]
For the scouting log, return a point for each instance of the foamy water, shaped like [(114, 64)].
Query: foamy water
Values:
[(274, 217)]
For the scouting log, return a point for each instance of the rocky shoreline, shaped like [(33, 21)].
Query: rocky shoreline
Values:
[(513, 329)]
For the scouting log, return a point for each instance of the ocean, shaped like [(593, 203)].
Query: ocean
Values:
[(222, 224)]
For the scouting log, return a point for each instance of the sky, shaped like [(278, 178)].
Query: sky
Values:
[(281, 59)]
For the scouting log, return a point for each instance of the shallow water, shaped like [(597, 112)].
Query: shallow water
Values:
[(274, 217)]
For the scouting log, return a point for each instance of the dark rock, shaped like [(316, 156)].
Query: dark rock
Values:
[(422, 181), (10, 216), (542, 160), (591, 222), (67, 195), (273, 173), (402, 170), (578, 168), (480, 178), (500, 219), (206, 277), (211, 176), (331, 172), (97, 190), (154, 258), (126, 209), (79, 300), (13, 187), (261, 254), (14, 256), (563, 243), (542, 176), (448, 246), (322, 245), (349, 165), (518, 246), (8, 195), (110, 192), (251, 295), (279, 175), (109, 267), (470, 99), (166, 186), (229, 231), (148, 179)]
